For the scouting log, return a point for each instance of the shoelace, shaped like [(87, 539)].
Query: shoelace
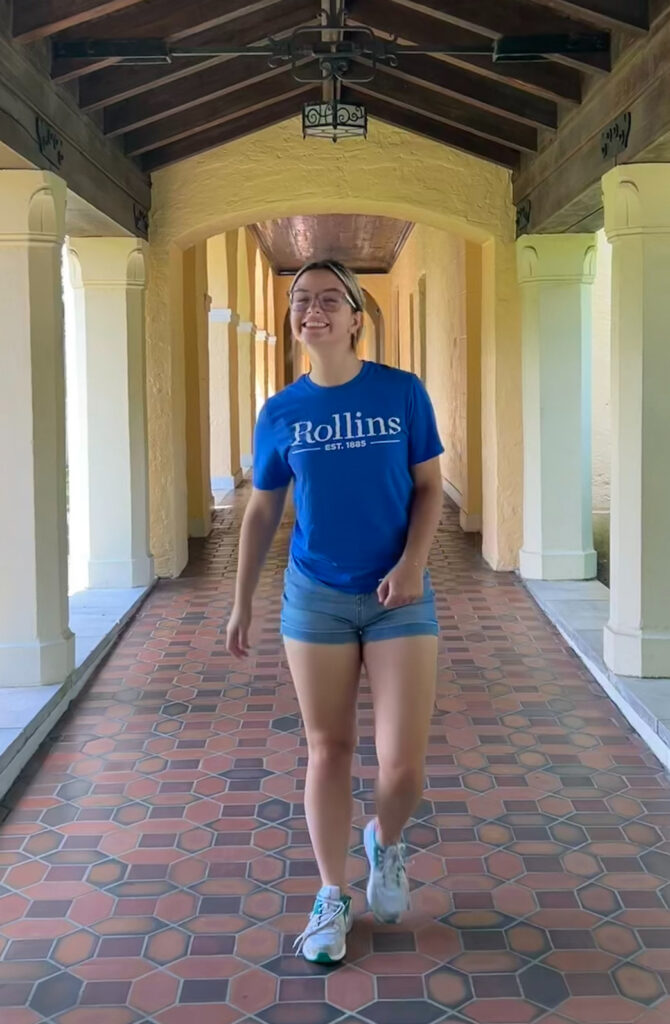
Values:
[(391, 862), (325, 912)]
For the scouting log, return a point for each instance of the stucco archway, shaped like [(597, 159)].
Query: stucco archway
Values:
[(393, 175)]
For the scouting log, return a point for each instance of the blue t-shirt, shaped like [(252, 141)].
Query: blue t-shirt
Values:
[(349, 449)]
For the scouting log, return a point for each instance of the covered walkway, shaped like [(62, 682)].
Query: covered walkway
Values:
[(154, 865)]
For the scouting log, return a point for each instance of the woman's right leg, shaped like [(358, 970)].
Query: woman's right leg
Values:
[(326, 678)]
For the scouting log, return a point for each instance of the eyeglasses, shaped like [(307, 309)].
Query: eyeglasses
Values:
[(329, 301)]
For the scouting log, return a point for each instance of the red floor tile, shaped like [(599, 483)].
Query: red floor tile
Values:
[(155, 865)]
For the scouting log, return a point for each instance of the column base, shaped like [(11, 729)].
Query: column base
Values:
[(247, 463), (122, 575), (637, 653), (199, 527), (37, 664), (558, 565), (223, 485), (470, 522)]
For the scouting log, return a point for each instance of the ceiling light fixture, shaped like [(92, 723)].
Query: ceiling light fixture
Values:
[(334, 120)]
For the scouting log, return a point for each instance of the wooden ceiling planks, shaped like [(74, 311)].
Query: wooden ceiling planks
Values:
[(105, 87), (632, 15), (165, 112), (495, 18), (40, 18)]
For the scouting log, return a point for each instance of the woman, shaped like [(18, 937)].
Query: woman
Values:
[(360, 441)]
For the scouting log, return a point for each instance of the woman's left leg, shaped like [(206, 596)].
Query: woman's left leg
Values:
[(402, 673)]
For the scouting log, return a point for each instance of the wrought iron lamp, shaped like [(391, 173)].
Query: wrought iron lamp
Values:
[(334, 120)]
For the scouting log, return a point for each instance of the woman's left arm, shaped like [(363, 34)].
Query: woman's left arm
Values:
[(404, 583)]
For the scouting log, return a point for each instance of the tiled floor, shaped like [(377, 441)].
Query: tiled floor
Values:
[(154, 865)]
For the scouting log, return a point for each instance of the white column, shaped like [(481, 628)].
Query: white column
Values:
[(36, 645), (637, 223), (116, 487), (246, 355), (261, 373), (272, 364), (226, 473), (556, 275)]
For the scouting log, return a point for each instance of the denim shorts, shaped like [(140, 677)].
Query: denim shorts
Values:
[(319, 614)]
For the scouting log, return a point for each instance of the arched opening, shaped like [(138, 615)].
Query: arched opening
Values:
[(501, 437), (398, 297)]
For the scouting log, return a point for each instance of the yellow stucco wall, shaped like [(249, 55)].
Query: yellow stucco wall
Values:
[(275, 173), (439, 257)]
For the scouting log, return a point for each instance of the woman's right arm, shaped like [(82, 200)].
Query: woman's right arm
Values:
[(259, 526)]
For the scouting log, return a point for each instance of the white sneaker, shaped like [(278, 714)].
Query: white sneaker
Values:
[(388, 886), (324, 940)]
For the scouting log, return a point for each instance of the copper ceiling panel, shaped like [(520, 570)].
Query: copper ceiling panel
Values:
[(369, 245)]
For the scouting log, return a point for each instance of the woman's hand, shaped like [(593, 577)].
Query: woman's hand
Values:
[(402, 585), (237, 632)]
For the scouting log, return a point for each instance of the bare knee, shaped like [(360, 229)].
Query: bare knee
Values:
[(330, 752), (403, 777)]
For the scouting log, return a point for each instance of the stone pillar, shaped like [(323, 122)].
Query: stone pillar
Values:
[(470, 515), (226, 473), (637, 223), (113, 284), (246, 366), (556, 274), (261, 369), (36, 645), (501, 426), (272, 364), (196, 343)]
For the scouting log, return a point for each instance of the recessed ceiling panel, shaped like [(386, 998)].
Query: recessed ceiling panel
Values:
[(367, 244)]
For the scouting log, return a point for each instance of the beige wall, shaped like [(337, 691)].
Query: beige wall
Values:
[(440, 257)]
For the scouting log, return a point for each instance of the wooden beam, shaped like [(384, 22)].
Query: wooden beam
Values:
[(631, 15), (112, 85), (35, 19), (216, 111), (497, 97), (452, 111), (239, 21), (445, 134), (168, 19), (553, 81), (185, 94), (93, 166), (563, 182), (495, 18), (237, 128)]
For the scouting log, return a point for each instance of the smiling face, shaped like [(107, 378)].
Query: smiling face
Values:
[(321, 311)]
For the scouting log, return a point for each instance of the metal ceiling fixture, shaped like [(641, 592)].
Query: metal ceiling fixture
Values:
[(334, 120), (338, 58), (334, 54)]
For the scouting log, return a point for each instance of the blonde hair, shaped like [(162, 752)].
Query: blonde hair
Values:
[(347, 278)]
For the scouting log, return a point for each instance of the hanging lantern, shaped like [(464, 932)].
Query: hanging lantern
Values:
[(334, 121)]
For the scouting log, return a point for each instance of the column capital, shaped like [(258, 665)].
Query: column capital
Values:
[(32, 208), (246, 326), (272, 339), (112, 262), (556, 258), (221, 315), (261, 335), (637, 200)]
